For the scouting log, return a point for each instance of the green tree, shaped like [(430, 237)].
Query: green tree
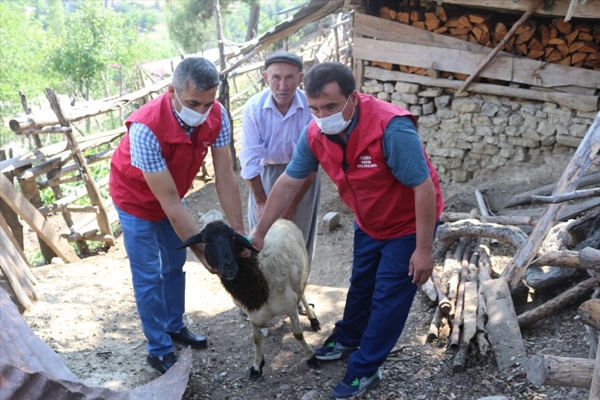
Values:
[(94, 37), (24, 51)]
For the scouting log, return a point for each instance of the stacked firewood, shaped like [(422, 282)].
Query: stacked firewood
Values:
[(551, 40)]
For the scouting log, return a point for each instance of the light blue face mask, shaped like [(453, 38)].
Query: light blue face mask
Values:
[(190, 117), (335, 123)]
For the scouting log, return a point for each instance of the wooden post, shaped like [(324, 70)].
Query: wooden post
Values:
[(580, 162), (93, 192)]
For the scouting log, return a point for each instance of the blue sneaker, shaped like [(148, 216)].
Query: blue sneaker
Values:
[(332, 350), (356, 387)]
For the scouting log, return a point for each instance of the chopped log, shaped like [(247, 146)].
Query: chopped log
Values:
[(469, 326), (429, 289), (560, 371), (484, 273), (434, 326), (495, 219), (587, 258), (595, 385), (431, 21), (589, 312), (525, 197), (534, 6), (562, 26), (449, 232), (441, 13), (444, 304), (460, 299), (581, 160), (454, 281), (561, 301), (575, 195), (502, 326)]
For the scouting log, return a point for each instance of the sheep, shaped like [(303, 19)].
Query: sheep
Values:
[(268, 284)]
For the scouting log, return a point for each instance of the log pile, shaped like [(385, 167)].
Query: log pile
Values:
[(574, 44), (481, 312)]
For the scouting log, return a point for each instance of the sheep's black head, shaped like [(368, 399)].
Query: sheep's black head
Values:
[(222, 246)]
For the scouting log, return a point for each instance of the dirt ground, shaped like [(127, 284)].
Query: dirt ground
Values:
[(86, 313)]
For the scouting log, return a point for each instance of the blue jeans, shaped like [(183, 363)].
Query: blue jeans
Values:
[(158, 278), (378, 300)]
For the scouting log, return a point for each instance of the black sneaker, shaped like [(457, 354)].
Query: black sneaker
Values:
[(163, 363)]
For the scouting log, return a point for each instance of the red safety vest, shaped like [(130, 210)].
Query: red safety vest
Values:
[(184, 157), (384, 208)]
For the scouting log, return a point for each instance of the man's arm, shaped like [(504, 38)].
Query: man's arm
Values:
[(227, 187), (163, 187), (281, 196), (260, 196), (421, 262), (290, 213)]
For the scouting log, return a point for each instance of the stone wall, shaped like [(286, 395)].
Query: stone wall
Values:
[(469, 136)]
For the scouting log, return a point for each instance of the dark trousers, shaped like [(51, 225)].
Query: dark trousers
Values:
[(378, 301)]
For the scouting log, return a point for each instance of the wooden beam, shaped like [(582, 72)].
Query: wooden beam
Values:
[(502, 326), (577, 102), (36, 220), (589, 9), (509, 69)]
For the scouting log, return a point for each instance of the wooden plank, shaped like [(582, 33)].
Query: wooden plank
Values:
[(589, 9), (521, 70), (13, 266), (578, 102), (36, 220), (380, 28), (502, 326)]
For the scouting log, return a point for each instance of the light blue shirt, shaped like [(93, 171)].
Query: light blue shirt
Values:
[(145, 150), (268, 137), (402, 150)]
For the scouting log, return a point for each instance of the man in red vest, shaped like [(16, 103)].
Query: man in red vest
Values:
[(151, 171), (372, 152)]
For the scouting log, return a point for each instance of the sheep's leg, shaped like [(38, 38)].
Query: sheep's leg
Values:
[(310, 313), (297, 331), (259, 358)]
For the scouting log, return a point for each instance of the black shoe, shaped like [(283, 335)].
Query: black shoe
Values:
[(185, 336), (162, 366)]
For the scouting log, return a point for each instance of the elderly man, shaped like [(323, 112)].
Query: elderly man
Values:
[(271, 125), (151, 171)]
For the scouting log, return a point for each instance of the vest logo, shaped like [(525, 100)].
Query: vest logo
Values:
[(206, 144), (365, 162)]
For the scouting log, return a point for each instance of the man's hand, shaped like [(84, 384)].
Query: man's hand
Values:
[(198, 250), (257, 241), (421, 266)]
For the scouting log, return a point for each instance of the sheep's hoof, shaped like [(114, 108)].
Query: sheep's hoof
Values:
[(254, 374), (313, 362), (315, 324)]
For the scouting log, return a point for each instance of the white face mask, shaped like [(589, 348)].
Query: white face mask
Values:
[(333, 124), (190, 117)]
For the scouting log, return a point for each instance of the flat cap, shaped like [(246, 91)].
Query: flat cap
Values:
[(285, 57)]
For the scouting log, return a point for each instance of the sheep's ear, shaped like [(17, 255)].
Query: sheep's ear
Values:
[(242, 241), (190, 241)]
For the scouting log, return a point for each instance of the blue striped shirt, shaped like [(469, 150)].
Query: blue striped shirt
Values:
[(145, 150)]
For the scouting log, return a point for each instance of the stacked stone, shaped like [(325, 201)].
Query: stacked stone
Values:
[(472, 133)]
